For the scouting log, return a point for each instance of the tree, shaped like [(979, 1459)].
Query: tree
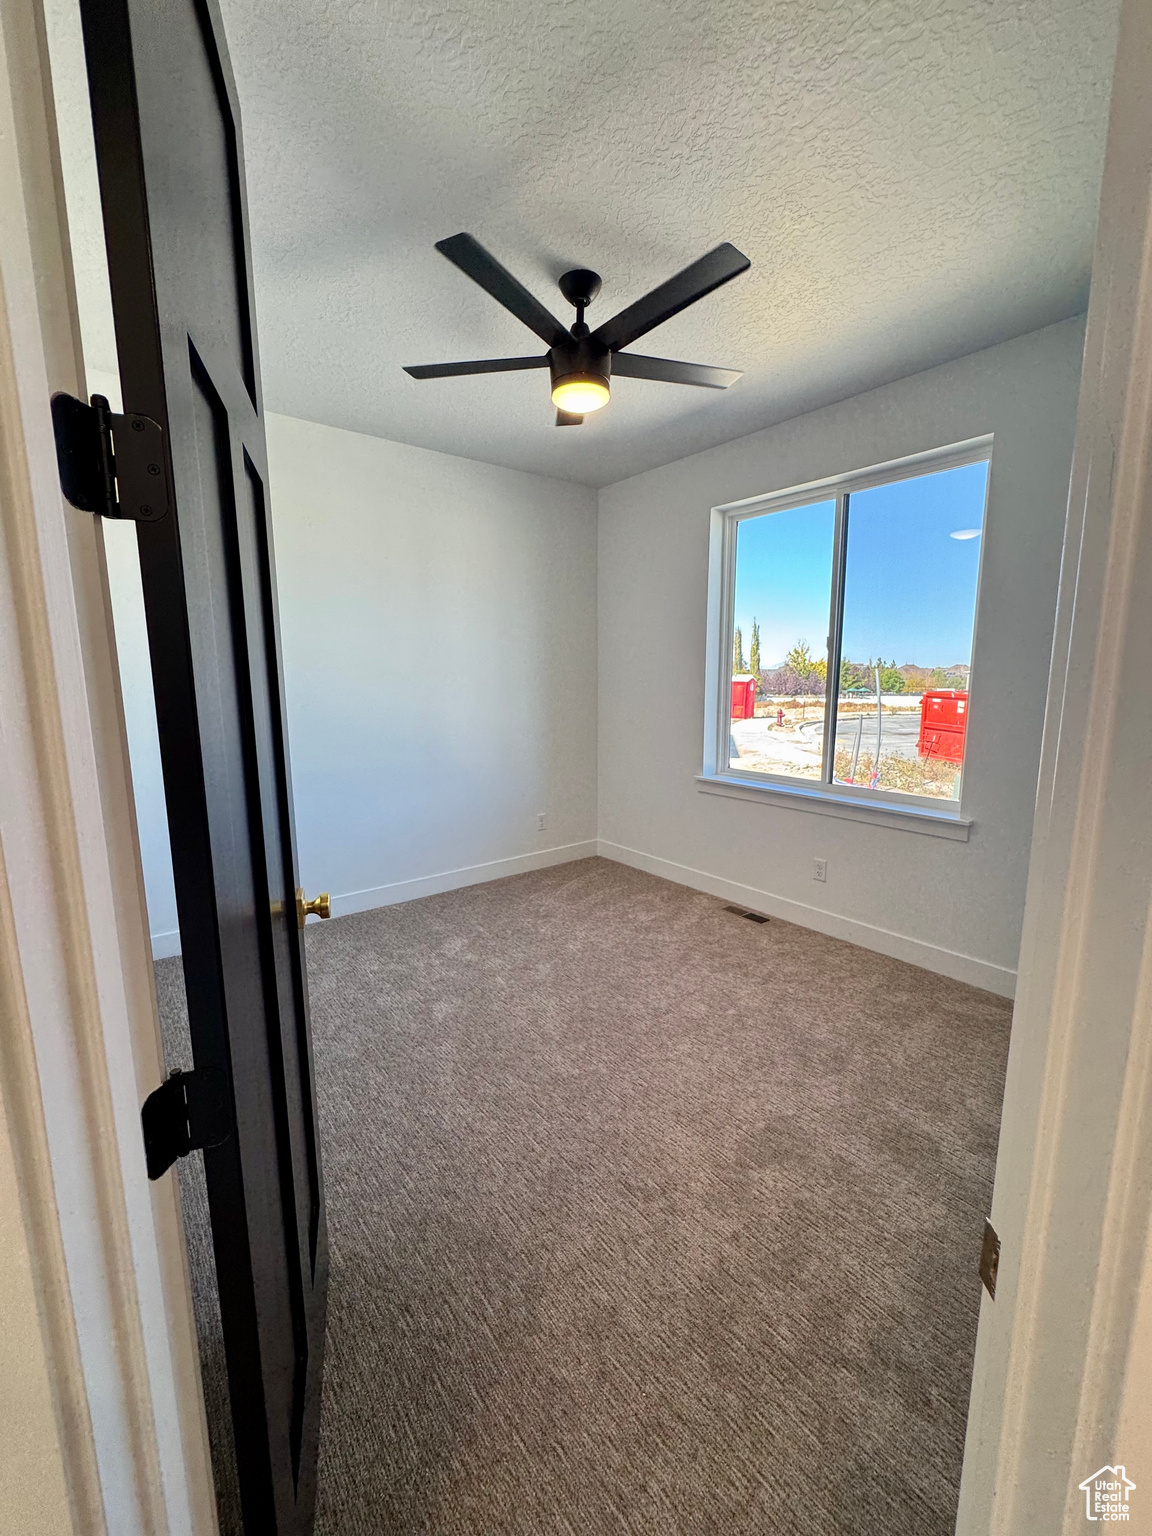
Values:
[(799, 658), (783, 681), (916, 679), (754, 652), (738, 663), (891, 679), (854, 675), (950, 677), (811, 676)]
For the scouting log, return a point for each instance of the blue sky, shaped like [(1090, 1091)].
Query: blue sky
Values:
[(910, 588), (783, 577)]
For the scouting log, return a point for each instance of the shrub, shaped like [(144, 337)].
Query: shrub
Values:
[(915, 776)]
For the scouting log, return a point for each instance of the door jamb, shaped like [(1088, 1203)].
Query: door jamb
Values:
[(1056, 1391)]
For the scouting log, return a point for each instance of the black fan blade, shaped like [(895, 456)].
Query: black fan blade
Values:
[(483, 365), (632, 366), (703, 276), (483, 268), (566, 419)]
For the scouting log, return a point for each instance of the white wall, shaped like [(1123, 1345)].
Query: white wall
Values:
[(140, 721), (952, 906), (439, 636), (438, 619)]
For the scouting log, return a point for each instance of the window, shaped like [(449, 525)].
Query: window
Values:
[(870, 581)]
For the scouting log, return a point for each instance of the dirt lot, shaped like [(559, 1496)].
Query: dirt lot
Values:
[(787, 737)]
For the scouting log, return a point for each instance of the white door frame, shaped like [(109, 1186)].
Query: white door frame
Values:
[(79, 1042), (1057, 1390)]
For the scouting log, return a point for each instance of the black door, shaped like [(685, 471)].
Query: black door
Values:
[(171, 178)]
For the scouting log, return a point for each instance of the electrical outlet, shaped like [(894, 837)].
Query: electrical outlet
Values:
[(541, 821), (820, 869)]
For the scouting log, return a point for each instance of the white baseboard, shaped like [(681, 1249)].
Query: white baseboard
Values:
[(165, 945), (454, 879), (931, 957)]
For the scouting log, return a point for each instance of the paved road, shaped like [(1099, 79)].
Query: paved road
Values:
[(900, 735)]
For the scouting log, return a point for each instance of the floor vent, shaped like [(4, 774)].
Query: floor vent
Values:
[(753, 917)]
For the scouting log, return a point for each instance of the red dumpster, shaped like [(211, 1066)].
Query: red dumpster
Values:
[(743, 696), (943, 721)]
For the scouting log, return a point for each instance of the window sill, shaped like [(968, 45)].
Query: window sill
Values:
[(900, 818)]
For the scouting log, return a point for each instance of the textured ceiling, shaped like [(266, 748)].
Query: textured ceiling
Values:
[(912, 179)]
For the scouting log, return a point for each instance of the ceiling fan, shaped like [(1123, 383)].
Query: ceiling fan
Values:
[(581, 360)]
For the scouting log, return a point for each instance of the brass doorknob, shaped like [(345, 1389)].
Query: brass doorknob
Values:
[(319, 906)]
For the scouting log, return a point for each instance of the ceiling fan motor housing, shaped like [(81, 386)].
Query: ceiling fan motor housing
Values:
[(582, 358)]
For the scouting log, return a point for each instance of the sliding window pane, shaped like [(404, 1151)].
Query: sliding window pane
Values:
[(780, 640), (912, 565)]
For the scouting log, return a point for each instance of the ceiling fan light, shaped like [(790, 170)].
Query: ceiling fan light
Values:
[(579, 393)]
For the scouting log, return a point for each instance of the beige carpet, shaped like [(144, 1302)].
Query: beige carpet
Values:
[(644, 1219)]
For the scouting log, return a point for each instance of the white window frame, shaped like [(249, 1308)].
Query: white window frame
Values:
[(856, 802)]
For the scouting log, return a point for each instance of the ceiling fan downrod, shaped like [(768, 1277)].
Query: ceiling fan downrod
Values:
[(581, 368)]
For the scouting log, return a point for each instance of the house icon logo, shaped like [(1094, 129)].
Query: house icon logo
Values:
[(1106, 1494)]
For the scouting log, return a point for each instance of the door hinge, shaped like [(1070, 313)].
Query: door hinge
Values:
[(188, 1111), (113, 465)]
